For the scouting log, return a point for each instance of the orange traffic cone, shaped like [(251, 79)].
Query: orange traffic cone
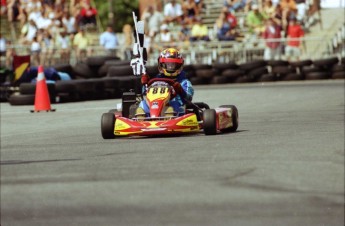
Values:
[(42, 99)]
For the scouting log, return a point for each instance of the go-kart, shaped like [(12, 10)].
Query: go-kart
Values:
[(198, 116)]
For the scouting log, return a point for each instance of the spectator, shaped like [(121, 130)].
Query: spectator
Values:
[(28, 32), (128, 41), (63, 42), (234, 5), (69, 23), (256, 20), (35, 52), (108, 40), (224, 29), (13, 10), (165, 37), (5, 51), (185, 32), (81, 42), (88, 16), (173, 12), (3, 7), (268, 8), (301, 6), (199, 31), (153, 19), (293, 47), (289, 9), (190, 11), (273, 48), (48, 48)]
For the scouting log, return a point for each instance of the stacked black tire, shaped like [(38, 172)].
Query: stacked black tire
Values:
[(102, 77)]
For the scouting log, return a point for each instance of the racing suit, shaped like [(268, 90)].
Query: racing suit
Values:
[(179, 101)]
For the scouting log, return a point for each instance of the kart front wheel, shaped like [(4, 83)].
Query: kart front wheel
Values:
[(210, 122), (234, 117), (107, 125)]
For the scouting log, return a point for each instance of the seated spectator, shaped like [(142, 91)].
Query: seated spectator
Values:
[(199, 31), (234, 5), (48, 48), (293, 47), (173, 12), (165, 37), (255, 20), (190, 11), (289, 9), (268, 8), (225, 31), (153, 19), (109, 41), (81, 42), (185, 32), (273, 47), (69, 22), (5, 51), (88, 16)]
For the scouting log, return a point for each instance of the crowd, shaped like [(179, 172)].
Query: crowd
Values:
[(49, 26)]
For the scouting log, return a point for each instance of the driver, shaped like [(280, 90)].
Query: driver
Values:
[(170, 65)]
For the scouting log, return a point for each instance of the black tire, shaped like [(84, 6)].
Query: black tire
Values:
[(317, 75), (252, 65), (202, 66), (292, 77), (210, 122), (152, 71), (338, 67), (338, 75), (244, 79), (234, 117), (258, 72), (120, 70), (328, 62), (107, 125), (267, 78), (199, 80), (30, 89), (97, 61), (283, 70), (274, 63), (220, 80), (301, 63), (113, 111), (22, 99), (83, 70), (225, 66), (205, 73)]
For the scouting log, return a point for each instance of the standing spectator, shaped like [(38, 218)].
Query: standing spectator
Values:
[(190, 11), (256, 20), (81, 42), (128, 41), (48, 48), (153, 19), (273, 48), (63, 42), (301, 6), (88, 16), (199, 31), (3, 7), (173, 12), (5, 51), (293, 47), (28, 32), (268, 8), (35, 52), (13, 10), (109, 41)]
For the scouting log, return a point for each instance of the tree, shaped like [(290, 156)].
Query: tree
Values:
[(121, 12)]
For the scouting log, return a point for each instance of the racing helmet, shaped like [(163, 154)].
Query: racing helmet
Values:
[(170, 62)]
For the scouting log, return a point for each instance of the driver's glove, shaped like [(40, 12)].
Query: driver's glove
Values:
[(178, 89), (145, 79)]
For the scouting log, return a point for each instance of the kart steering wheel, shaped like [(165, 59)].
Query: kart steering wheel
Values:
[(167, 80)]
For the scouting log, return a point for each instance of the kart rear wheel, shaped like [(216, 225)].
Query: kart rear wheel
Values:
[(107, 125), (234, 116), (210, 122)]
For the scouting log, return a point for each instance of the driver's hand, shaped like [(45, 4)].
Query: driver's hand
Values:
[(178, 88), (145, 79)]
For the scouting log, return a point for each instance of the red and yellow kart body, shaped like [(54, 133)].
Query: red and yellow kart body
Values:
[(198, 117)]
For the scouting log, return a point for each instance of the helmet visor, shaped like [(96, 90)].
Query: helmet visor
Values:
[(171, 64)]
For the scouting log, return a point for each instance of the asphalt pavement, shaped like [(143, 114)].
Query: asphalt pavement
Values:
[(284, 165)]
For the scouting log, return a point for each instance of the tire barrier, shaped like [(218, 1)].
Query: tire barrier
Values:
[(104, 78)]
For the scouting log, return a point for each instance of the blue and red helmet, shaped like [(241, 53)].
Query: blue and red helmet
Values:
[(170, 62)]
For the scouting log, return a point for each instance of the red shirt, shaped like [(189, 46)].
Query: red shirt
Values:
[(295, 31), (88, 12)]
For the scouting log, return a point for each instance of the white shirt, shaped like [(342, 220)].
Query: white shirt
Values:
[(173, 10), (69, 23), (35, 46), (2, 45)]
